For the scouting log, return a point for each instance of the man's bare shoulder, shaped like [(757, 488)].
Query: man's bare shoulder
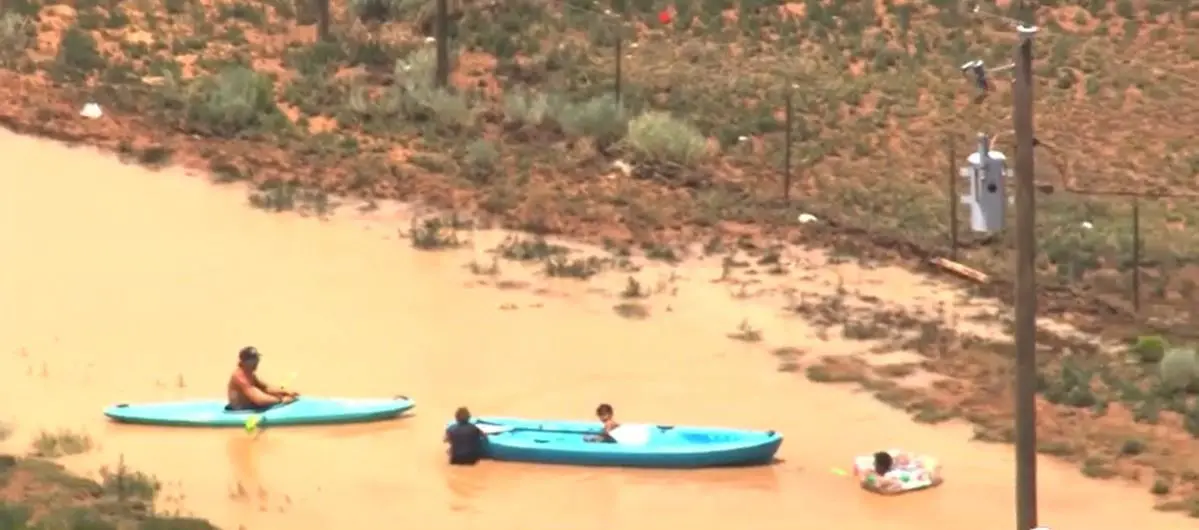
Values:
[(241, 379)]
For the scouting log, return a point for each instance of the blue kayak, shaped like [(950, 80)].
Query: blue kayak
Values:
[(303, 411), (656, 446)]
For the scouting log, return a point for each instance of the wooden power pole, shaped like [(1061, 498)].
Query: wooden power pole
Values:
[(1026, 287)]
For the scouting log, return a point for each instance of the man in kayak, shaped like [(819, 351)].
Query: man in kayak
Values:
[(605, 414), (465, 439), (248, 392)]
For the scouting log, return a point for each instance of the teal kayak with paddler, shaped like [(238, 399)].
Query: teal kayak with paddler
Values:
[(303, 411), (636, 445)]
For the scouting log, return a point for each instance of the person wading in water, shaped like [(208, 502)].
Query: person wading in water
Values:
[(465, 438)]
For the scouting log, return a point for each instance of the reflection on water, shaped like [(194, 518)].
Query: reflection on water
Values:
[(125, 285), (247, 488)]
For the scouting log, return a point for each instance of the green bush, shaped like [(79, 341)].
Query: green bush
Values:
[(528, 108), (1179, 369), (601, 117), (1160, 487), (480, 158), (234, 101), (437, 105), (1150, 348), (78, 55), (365, 105), (156, 522), (61, 443), (659, 137), (125, 484), (417, 69), (380, 10), (421, 100), (14, 515)]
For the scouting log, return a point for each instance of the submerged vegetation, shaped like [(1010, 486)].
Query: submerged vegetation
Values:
[(41, 495)]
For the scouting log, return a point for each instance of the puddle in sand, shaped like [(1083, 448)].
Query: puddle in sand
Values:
[(120, 284)]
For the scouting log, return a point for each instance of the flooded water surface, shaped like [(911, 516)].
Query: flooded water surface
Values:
[(120, 284)]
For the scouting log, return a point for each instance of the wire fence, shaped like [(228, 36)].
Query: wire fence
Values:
[(786, 91)]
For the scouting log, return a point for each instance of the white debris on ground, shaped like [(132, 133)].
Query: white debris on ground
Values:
[(805, 218), (624, 167), (91, 111)]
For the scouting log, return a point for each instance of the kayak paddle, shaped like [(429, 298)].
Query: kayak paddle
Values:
[(254, 420), (628, 434)]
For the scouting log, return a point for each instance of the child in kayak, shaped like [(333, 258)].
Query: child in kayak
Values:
[(606, 416)]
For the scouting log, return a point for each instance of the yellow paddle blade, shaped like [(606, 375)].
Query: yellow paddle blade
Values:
[(252, 423), (839, 472)]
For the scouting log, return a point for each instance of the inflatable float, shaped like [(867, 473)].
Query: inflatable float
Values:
[(649, 446), (910, 472)]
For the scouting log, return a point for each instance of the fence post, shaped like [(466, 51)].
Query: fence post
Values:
[(788, 109), (954, 199), (443, 44), (1136, 254), (322, 20), (619, 88)]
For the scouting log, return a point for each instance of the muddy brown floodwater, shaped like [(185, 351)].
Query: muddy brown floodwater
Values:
[(122, 284)]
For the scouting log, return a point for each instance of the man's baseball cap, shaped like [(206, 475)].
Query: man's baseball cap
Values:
[(249, 353)]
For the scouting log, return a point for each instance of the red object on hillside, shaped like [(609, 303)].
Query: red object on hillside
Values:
[(665, 16)]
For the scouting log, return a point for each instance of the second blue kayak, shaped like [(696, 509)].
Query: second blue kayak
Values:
[(659, 446), (303, 411)]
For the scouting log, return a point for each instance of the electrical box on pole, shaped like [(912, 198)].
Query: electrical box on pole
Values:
[(986, 173)]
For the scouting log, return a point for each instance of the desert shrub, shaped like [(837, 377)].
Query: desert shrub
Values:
[(366, 105), (1179, 369), (123, 483), (1073, 386), (78, 55), (425, 103), (14, 515), (1160, 486), (15, 35), (1150, 348), (527, 108), (480, 159), (1190, 420), (75, 517), (234, 101), (163, 522), (435, 233), (601, 117), (421, 100), (659, 137), (379, 10), (417, 68), (61, 443)]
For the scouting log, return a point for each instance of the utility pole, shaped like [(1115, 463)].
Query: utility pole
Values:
[(1026, 287)]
